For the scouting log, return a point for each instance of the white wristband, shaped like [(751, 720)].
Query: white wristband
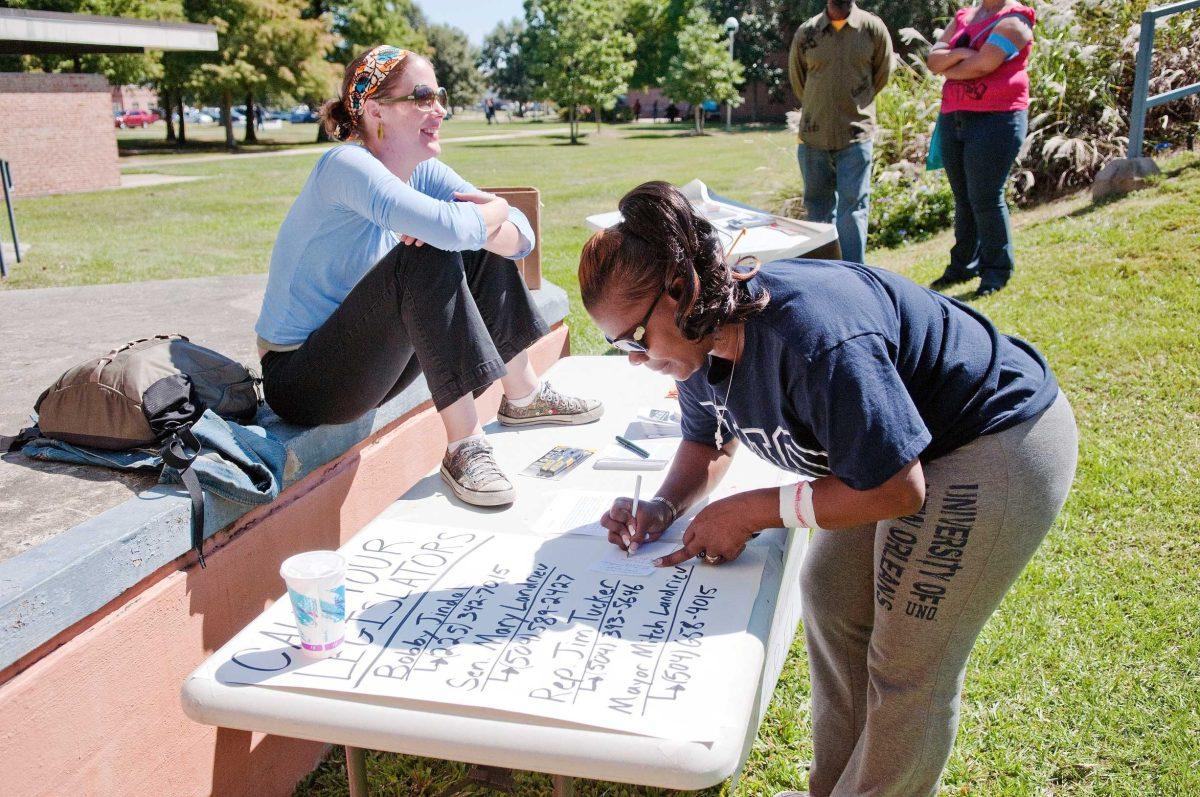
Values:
[(796, 506), (804, 499), (787, 506)]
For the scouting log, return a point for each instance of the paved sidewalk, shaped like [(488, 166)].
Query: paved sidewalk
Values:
[(141, 162), (45, 331)]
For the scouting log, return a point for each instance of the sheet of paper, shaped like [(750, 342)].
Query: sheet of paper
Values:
[(616, 456), (579, 512), (640, 562), (575, 512), (515, 623)]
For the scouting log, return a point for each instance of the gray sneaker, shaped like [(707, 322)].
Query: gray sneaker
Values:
[(472, 473), (550, 406)]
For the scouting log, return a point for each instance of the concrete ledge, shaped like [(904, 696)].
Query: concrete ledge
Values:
[(55, 585)]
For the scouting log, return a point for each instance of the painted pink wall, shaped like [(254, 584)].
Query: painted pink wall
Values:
[(99, 713)]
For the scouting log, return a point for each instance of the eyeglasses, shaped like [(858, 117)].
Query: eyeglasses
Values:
[(424, 97), (633, 342)]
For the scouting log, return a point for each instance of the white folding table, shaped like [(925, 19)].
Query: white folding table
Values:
[(497, 739)]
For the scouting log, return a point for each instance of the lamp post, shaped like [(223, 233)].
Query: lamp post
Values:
[(731, 27)]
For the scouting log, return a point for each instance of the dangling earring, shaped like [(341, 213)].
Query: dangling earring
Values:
[(379, 130)]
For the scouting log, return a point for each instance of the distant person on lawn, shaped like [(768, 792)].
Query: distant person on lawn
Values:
[(390, 265), (839, 60), (983, 54)]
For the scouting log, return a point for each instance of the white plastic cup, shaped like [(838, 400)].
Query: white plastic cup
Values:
[(316, 584)]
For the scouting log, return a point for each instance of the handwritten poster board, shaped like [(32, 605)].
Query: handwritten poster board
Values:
[(521, 624)]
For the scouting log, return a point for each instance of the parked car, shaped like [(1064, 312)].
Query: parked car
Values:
[(197, 116), (135, 118), (301, 114)]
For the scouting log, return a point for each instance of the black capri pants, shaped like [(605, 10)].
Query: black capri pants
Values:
[(457, 317)]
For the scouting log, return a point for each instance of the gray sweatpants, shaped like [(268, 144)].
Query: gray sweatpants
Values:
[(892, 610)]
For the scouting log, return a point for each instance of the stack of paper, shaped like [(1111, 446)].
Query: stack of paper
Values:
[(617, 457), (654, 422)]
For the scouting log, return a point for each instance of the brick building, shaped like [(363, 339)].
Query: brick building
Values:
[(57, 133), (133, 98), (56, 129)]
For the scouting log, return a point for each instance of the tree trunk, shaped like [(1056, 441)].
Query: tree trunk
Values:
[(698, 114), (182, 124), (227, 117), (169, 107), (597, 117), (572, 120), (251, 136), (754, 103)]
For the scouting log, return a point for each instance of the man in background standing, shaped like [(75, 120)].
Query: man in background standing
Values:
[(840, 59)]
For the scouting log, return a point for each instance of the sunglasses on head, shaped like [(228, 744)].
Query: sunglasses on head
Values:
[(423, 97)]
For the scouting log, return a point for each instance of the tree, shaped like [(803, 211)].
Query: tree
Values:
[(454, 62), (759, 46), (578, 53), (703, 69), (358, 25), (653, 28), (924, 15), (265, 46), (503, 60)]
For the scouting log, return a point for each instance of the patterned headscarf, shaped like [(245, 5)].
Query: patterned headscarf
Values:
[(370, 74)]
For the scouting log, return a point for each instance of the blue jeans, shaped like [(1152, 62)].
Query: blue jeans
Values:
[(841, 179), (978, 151)]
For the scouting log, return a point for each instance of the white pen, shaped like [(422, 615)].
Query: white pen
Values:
[(637, 492)]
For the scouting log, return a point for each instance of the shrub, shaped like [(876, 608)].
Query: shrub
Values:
[(1081, 84), (909, 205)]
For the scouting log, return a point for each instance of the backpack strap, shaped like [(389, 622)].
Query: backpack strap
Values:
[(176, 453), (22, 437)]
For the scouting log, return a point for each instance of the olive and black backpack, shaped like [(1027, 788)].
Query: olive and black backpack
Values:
[(147, 394)]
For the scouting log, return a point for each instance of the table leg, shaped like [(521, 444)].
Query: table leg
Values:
[(356, 771), (564, 786)]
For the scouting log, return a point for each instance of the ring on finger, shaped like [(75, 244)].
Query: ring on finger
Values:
[(713, 559)]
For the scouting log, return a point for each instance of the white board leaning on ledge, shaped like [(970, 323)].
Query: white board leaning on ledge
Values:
[(520, 624), (767, 236)]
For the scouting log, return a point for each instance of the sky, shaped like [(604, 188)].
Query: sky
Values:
[(476, 17)]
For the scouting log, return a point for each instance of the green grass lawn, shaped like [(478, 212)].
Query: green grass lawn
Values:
[(1087, 680), (211, 137)]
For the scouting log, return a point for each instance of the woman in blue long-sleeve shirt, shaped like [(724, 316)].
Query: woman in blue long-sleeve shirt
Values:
[(389, 265)]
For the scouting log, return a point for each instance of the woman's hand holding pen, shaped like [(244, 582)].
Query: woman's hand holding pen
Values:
[(626, 532)]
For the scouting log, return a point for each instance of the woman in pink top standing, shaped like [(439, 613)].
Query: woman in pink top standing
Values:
[(985, 102)]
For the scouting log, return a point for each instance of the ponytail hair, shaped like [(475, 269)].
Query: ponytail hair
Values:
[(662, 243), (336, 120)]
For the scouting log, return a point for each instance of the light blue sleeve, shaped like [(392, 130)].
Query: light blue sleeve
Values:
[(355, 179), (439, 181)]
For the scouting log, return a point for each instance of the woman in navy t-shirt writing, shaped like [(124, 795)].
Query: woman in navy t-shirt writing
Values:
[(936, 453)]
